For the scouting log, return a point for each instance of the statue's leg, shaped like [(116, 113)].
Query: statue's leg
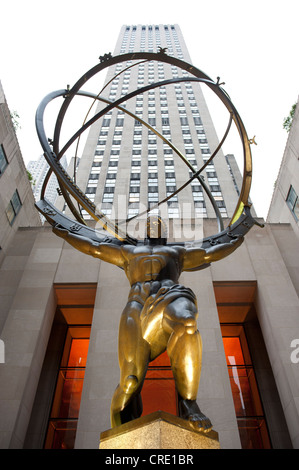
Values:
[(133, 356), (185, 352)]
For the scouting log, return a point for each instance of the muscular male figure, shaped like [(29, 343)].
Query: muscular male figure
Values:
[(160, 315)]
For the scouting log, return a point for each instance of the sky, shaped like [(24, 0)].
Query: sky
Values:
[(252, 45)]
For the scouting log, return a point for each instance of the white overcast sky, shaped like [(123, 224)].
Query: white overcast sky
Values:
[(252, 45)]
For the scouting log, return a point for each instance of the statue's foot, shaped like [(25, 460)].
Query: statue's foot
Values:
[(189, 410)]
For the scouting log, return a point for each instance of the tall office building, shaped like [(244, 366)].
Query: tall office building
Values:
[(126, 167), (38, 170)]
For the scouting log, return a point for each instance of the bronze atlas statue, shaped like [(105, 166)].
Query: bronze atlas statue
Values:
[(160, 314)]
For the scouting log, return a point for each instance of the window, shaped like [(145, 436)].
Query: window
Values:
[(184, 121), (65, 409), (197, 120), (119, 122), (3, 160), (91, 190), (173, 212), (108, 197), (249, 411), (159, 392), (106, 122), (13, 207), (293, 203)]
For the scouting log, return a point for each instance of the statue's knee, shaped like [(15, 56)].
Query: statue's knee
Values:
[(130, 384), (190, 326)]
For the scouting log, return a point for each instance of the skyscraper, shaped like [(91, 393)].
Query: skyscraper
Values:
[(130, 162), (38, 170)]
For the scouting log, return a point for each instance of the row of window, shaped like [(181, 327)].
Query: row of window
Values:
[(293, 203), (3, 160), (197, 193), (15, 204), (151, 147), (147, 43), (149, 28), (13, 207)]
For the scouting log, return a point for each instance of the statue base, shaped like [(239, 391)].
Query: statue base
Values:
[(158, 430)]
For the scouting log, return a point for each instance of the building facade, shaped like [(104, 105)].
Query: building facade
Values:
[(16, 199), (61, 328), (284, 207)]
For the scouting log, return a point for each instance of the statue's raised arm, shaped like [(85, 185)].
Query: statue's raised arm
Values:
[(105, 250), (196, 257)]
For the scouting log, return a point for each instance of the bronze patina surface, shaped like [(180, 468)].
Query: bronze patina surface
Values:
[(160, 315)]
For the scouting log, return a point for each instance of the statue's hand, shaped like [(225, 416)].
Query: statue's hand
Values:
[(60, 231), (106, 240), (237, 240)]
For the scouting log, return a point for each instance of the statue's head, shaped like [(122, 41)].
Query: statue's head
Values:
[(156, 229)]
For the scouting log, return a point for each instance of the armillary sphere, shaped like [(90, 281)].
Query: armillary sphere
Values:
[(239, 224)]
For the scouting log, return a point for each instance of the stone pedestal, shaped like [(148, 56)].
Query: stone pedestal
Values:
[(158, 430)]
